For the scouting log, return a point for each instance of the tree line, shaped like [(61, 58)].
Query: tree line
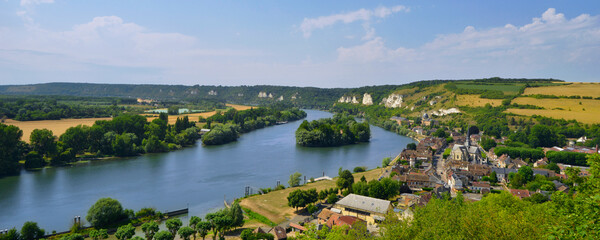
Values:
[(124, 135), (226, 126)]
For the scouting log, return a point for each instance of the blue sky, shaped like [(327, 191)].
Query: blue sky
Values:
[(300, 43)]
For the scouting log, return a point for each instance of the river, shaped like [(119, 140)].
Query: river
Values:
[(199, 177)]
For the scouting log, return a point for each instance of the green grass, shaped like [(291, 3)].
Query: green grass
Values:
[(505, 88), (258, 217)]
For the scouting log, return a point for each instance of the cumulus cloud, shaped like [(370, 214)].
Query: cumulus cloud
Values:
[(549, 35), (311, 24)]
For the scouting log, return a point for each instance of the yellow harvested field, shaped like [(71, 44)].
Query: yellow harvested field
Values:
[(587, 112), (274, 206), (476, 101), (58, 127), (580, 89)]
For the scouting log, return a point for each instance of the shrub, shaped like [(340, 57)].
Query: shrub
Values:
[(104, 212)]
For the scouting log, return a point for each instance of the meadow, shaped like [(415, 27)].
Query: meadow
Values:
[(583, 110), (574, 89)]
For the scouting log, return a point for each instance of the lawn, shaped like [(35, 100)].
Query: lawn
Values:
[(274, 206), (574, 89), (505, 88), (583, 110)]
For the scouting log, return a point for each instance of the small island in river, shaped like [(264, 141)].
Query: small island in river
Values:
[(328, 132)]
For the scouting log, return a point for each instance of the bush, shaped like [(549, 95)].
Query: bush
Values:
[(332, 198), (571, 158), (360, 169), (311, 208), (104, 212)]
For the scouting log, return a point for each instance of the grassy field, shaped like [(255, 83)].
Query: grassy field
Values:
[(506, 88), (59, 127), (583, 110), (476, 101), (274, 204), (581, 89)]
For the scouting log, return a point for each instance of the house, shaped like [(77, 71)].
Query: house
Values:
[(503, 161), (520, 193), (324, 215), (435, 143), (339, 220), (418, 130), (560, 186), (502, 173), (278, 233), (400, 120), (482, 187), (519, 163), (416, 180), (540, 163), (456, 184), (368, 209), (296, 227)]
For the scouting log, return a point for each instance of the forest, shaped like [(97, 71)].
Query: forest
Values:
[(340, 130)]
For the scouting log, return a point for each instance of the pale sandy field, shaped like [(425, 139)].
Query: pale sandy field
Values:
[(581, 89), (58, 127), (587, 112)]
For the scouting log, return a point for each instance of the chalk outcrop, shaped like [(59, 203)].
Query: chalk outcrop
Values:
[(212, 93), (393, 101), (280, 98), (367, 99), (348, 99), (443, 112), (262, 94)]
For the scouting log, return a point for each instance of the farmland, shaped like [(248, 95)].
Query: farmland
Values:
[(505, 88), (574, 89), (583, 110), (58, 127), (476, 101)]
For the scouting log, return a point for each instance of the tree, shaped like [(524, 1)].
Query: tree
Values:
[(296, 199), (186, 232), (194, 220), (10, 148), (526, 173), (345, 180), (43, 142), (376, 189), (237, 215), (411, 146), (76, 138), (11, 234), (34, 160), (553, 166), (295, 179), (74, 236), (493, 177), (99, 234), (163, 235), (386, 162), (203, 228), (311, 208), (105, 212), (440, 133), (150, 229), (332, 198), (173, 225), (137, 238), (125, 232), (487, 143), (31, 231)]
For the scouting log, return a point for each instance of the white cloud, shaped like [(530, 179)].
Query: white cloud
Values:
[(35, 2), (552, 33), (311, 24)]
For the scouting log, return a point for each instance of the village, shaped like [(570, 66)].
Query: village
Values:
[(436, 168)]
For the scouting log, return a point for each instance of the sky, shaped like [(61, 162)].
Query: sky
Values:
[(296, 43)]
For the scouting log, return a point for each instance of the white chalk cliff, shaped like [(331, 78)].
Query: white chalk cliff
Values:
[(392, 101), (367, 99)]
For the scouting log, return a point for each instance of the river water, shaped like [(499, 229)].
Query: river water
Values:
[(199, 177)]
